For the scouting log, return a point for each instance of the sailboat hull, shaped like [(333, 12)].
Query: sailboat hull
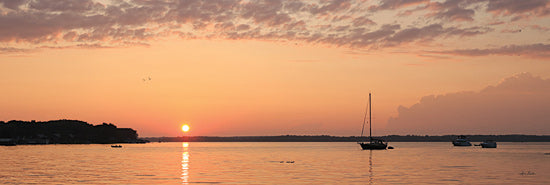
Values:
[(373, 146)]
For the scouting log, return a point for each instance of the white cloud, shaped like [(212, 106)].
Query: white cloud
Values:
[(519, 104)]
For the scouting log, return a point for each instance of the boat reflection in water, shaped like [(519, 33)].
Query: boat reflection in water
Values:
[(370, 168), (185, 163)]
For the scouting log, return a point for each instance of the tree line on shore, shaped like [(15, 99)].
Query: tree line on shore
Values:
[(64, 132)]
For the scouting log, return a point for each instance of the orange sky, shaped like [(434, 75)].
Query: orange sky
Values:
[(272, 68)]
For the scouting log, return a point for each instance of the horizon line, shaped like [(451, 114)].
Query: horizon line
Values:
[(409, 135)]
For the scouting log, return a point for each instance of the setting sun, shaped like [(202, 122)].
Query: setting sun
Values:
[(185, 128)]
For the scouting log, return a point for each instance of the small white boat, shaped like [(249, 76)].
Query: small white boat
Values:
[(461, 141), (489, 144)]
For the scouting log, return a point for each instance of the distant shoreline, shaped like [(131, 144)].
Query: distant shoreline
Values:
[(63, 131), (327, 138)]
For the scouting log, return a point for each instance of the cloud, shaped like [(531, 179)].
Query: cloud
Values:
[(518, 104), (432, 31), (395, 4), (449, 10), (519, 9), (90, 23), (540, 28), (12, 50), (464, 10), (496, 23), (539, 50), (511, 31), (360, 21), (452, 10), (64, 6), (12, 4), (29, 24)]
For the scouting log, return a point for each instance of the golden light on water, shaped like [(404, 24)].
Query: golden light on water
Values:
[(185, 128), (185, 163)]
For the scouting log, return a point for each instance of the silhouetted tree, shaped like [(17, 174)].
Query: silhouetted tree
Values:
[(65, 132)]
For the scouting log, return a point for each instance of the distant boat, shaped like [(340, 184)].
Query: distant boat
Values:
[(489, 144), (116, 146), (461, 141), (373, 144)]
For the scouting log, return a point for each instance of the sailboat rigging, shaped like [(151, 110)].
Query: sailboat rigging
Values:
[(373, 144)]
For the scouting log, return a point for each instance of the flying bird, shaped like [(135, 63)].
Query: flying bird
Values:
[(147, 79)]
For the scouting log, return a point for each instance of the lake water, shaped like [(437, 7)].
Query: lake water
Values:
[(271, 163)]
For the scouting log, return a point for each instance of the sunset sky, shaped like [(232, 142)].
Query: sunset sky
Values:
[(246, 67)]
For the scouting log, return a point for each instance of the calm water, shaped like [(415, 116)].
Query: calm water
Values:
[(260, 163)]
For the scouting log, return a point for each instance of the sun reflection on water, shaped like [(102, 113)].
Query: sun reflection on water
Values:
[(185, 164)]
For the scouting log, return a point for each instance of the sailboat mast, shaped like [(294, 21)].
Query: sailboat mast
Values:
[(370, 120), (364, 119)]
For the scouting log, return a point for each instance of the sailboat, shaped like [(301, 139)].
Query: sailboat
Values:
[(373, 144)]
